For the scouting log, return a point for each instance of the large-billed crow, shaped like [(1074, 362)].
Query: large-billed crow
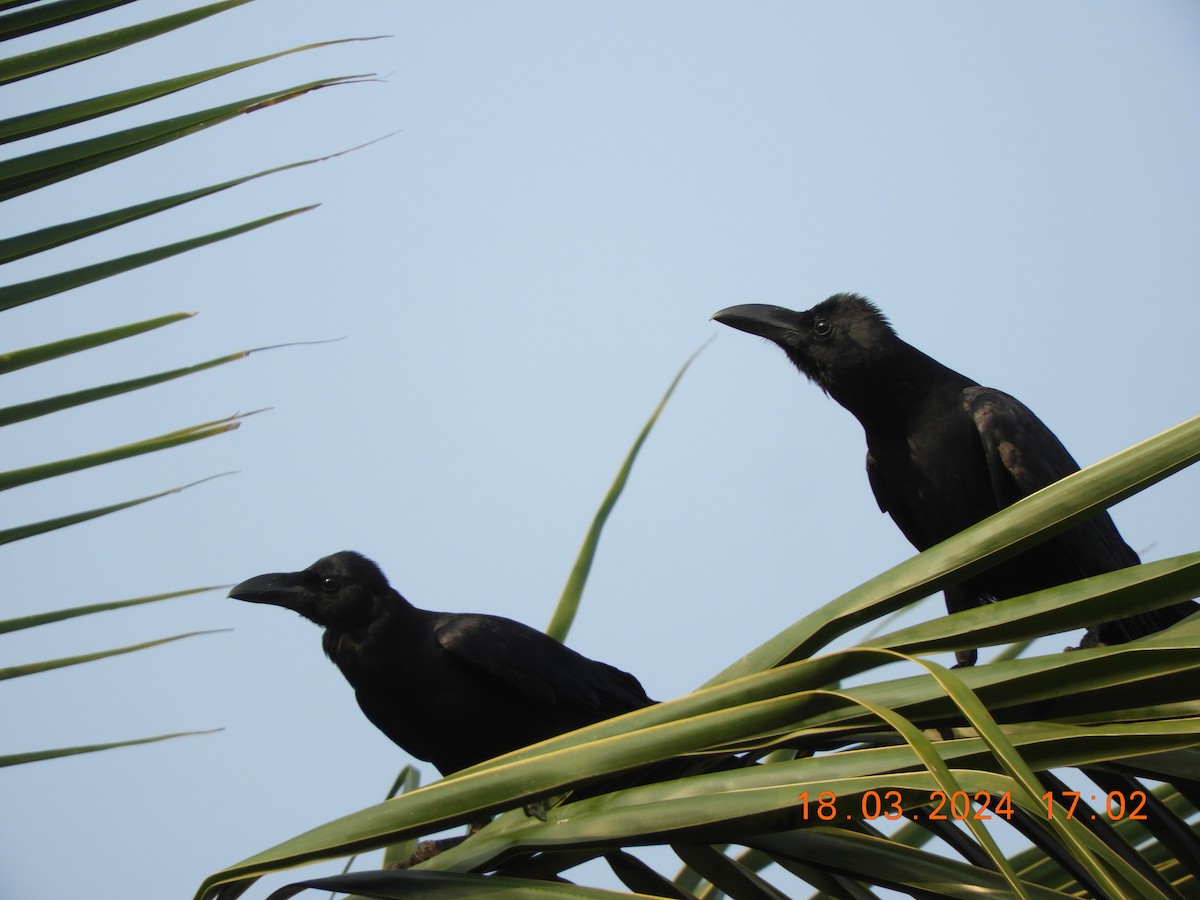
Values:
[(944, 452), (453, 689)]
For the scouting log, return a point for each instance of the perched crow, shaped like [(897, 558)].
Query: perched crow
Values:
[(944, 452), (453, 689)]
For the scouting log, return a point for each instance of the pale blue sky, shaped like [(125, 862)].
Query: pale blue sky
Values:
[(518, 272)]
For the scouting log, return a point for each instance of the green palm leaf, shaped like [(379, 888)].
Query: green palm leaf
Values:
[(60, 615), (29, 64), (568, 603), (50, 14), (19, 359), (30, 171), (20, 532), (42, 121), (49, 664), (1037, 517), (17, 759), (1020, 717)]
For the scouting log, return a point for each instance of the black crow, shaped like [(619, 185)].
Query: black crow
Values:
[(453, 689), (944, 452)]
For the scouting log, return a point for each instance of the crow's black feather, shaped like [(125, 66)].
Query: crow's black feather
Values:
[(944, 453), (453, 689)]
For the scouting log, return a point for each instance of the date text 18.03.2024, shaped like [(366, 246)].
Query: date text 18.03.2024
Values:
[(960, 805)]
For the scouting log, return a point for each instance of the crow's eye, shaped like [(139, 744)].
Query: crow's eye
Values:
[(331, 584), (822, 328)]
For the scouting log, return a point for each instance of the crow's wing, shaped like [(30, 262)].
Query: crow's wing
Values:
[(1023, 455), (538, 666)]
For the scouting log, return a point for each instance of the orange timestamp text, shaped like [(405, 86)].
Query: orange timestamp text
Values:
[(961, 805)]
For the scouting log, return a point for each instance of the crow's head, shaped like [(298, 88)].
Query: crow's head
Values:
[(340, 591), (836, 343)]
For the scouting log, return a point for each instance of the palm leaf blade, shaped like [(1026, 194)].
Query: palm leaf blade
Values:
[(61, 615), (50, 664), (17, 477), (16, 759), (24, 411), (42, 121), (19, 359), (22, 174), (20, 532), (39, 288), (29, 64)]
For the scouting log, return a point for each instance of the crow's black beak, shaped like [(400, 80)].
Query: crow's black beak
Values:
[(286, 589), (771, 322)]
